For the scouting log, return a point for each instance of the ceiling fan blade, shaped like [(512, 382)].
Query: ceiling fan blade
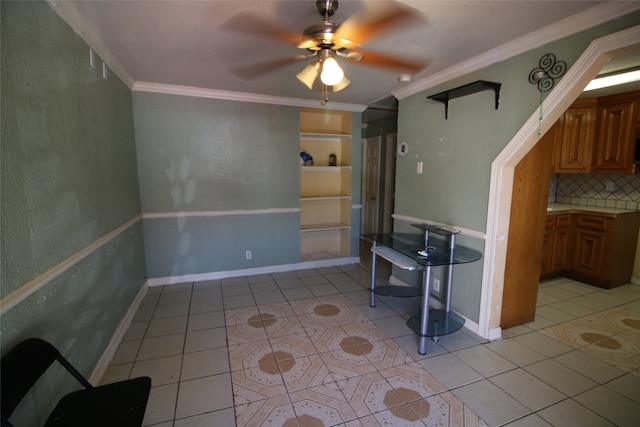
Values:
[(412, 66), (359, 29), (250, 23), (254, 70)]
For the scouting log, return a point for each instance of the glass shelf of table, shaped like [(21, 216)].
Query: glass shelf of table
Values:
[(409, 244), (440, 323), (420, 252)]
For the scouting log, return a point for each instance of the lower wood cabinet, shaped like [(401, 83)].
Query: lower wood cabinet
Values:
[(558, 242), (598, 249), (590, 254)]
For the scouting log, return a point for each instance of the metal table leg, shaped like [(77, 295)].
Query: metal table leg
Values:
[(373, 277), (424, 315)]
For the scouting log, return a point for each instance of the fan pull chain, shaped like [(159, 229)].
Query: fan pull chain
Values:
[(325, 94)]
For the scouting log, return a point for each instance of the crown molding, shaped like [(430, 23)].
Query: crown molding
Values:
[(574, 24), (69, 14), (240, 96)]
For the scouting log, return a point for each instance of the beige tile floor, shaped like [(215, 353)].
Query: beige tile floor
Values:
[(304, 348)]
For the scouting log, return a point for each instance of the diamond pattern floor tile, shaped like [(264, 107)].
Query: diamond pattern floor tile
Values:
[(223, 351)]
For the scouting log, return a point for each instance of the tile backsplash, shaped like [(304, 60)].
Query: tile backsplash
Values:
[(591, 190)]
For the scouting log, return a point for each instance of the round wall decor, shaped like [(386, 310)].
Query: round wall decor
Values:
[(403, 148)]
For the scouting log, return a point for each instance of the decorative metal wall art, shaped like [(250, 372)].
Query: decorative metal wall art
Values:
[(548, 70)]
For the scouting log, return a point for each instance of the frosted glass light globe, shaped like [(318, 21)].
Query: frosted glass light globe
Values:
[(331, 72)]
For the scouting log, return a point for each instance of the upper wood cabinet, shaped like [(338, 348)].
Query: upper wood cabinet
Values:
[(575, 137), (616, 135), (598, 135)]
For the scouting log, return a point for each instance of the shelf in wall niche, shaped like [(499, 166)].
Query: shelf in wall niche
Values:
[(324, 136), (323, 168), (324, 227), (325, 191), (465, 90), (312, 198)]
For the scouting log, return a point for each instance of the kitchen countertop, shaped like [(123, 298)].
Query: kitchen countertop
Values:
[(557, 208)]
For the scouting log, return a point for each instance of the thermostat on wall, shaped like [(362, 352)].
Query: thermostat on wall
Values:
[(403, 148)]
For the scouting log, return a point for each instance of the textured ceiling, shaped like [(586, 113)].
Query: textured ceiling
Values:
[(186, 43)]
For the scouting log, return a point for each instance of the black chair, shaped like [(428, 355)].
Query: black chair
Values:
[(118, 404)]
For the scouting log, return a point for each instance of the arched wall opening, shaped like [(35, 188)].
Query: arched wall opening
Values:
[(599, 52)]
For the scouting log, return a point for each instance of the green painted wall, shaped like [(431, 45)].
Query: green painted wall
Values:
[(202, 160), (204, 157), (197, 154), (458, 152), (68, 175)]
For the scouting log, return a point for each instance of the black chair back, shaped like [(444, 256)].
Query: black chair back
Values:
[(121, 404), (21, 368)]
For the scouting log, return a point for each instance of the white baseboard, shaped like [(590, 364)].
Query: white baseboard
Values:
[(169, 280), (104, 361), (470, 325)]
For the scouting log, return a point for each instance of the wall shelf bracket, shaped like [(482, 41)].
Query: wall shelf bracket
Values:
[(465, 90)]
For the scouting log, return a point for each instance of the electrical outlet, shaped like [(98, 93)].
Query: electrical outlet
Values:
[(419, 168), (610, 186), (436, 285), (247, 254)]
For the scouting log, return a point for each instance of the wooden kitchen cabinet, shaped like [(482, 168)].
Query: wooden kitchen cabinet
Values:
[(614, 147), (604, 248), (574, 147), (590, 245), (548, 242), (557, 245), (563, 244)]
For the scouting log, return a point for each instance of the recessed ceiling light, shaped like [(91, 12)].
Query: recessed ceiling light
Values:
[(613, 80), (404, 78)]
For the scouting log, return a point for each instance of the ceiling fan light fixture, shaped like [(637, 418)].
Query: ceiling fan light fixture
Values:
[(331, 73), (307, 44), (346, 43), (308, 75), (341, 84)]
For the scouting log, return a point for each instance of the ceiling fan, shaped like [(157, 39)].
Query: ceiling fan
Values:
[(325, 41)]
